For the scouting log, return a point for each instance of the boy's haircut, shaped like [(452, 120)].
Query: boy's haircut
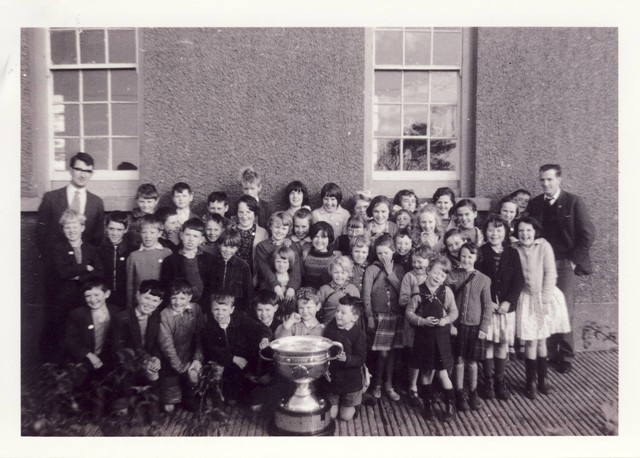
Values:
[(556, 167), (249, 175), (151, 220), (423, 252), (283, 217), (302, 213), (497, 221), (84, 157), (117, 217), (473, 249), (345, 262), (222, 297), (146, 191), (285, 252), (444, 191), (331, 190), (529, 220), (195, 224), (218, 196), (397, 199), (438, 258), (520, 191), (322, 226), (307, 293), (384, 239), (465, 203), (510, 199), (402, 233), (216, 218), (296, 186), (377, 200), (360, 241), (356, 304), (163, 213), (266, 296), (180, 285), (70, 215), (250, 202), (357, 219), (450, 233), (94, 281), (179, 187), (230, 237), (153, 287)]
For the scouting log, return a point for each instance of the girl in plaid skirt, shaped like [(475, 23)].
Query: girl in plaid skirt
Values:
[(380, 289)]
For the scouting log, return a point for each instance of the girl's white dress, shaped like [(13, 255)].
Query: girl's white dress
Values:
[(541, 309)]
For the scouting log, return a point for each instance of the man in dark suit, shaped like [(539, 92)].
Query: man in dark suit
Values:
[(76, 196), (567, 227)]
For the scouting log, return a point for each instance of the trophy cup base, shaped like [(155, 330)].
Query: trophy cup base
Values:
[(317, 423)]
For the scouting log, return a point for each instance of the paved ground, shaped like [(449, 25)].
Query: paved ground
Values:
[(577, 407)]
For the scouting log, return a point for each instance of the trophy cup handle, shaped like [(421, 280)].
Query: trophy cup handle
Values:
[(266, 353), (334, 350)]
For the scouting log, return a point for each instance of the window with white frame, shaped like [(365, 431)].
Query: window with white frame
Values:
[(94, 99), (417, 129)]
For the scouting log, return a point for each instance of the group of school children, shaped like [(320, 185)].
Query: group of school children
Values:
[(420, 288)]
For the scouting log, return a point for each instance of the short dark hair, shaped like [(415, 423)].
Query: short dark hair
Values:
[(444, 191), (153, 287), (556, 167), (180, 186), (218, 196), (180, 285), (497, 221), (356, 304), (250, 202), (473, 249), (302, 213), (195, 224), (94, 281), (151, 220), (163, 213), (520, 191), (322, 226), (296, 186), (230, 237), (465, 203), (331, 190), (222, 296), (215, 217), (377, 200), (80, 156), (147, 191), (397, 199), (402, 233), (117, 217), (384, 239), (528, 220), (266, 296)]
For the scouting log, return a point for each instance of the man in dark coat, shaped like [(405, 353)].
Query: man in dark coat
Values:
[(566, 225)]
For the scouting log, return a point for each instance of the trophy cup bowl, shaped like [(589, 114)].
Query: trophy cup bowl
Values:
[(302, 359)]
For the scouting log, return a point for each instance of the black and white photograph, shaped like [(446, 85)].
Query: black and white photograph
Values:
[(237, 227)]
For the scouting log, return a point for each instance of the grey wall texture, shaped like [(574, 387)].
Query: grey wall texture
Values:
[(287, 101), (549, 95)]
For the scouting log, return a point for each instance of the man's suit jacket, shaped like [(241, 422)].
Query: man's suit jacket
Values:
[(576, 226), (53, 204)]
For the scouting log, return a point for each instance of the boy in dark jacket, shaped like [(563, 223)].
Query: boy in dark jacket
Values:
[(113, 252), (345, 374)]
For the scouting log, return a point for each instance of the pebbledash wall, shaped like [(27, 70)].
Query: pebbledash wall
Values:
[(291, 101)]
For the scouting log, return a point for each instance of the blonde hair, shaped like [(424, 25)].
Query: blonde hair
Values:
[(70, 215), (345, 263)]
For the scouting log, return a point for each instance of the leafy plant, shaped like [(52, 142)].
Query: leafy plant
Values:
[(210, 412), (595, 332)]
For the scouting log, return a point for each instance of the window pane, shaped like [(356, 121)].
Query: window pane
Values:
[(446, 48), (443, 121), (444, 155), (415, 155), (416, 86), (95, 119), (444, 87), (64, 148), (386, 120), (94, 86), (92, 47), (386, 154), (387, 87), (63, 47), (125, 153), (124, 85), (122, 46), (66, 120), (417, 48), (415, 119), (388, 47), (124, 119), (99, 149), (65, 86)]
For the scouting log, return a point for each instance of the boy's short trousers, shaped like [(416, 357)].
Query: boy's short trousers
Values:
[(352, 399)]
